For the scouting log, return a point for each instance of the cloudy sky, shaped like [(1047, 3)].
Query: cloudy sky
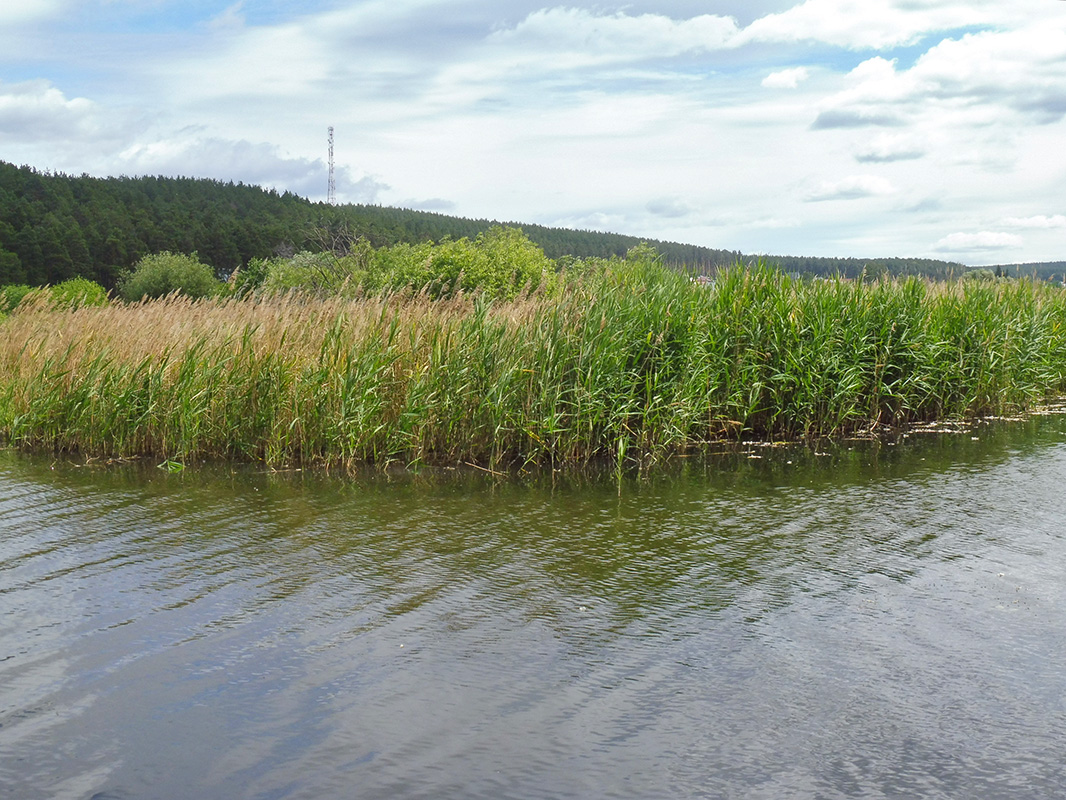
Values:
[(825, 127)]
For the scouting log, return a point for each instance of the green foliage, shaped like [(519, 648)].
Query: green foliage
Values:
[(512, 263), (164, 273), (500, 263), (78, 292), (402, 265), (249, 278), (12, 295), (305, 273), (11, 270), (74, 293)]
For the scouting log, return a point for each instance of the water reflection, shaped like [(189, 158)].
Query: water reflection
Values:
[(881, 620)]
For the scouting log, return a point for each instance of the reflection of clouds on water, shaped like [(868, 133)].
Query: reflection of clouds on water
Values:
[(831, 625), (78, 787), (42, 701), (44, 610), (30, 704)]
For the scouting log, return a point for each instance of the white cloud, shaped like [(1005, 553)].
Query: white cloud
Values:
[(584, 37), (774, 222), (887, 148), (1039, 221), (854, 187), (865, 24), (382, 49), (592, 220), (232, 18), (261, 164), (670, 207), (276, 62), (786, 78), (37, 111), (971, 242), (15, 12), (1022, 69), (975, 78), (648, 120), (436, 204)]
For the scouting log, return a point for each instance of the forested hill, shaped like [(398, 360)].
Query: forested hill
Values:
[(54, 227), (1044, 270)]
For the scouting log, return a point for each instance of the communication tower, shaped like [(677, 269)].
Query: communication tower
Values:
[(331, 191)]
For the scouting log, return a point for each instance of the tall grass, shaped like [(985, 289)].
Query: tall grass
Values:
[(631, 362)]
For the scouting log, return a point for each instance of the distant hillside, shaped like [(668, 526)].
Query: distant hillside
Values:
[(1044, 270), (54, 227), (871, 267)]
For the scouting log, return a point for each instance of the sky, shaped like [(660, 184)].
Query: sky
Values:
[(858, 128)]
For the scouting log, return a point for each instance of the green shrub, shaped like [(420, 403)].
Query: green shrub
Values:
[(79, 292), (249, 278), (511, 263), (165, 273), (303, 273), (500, 263), (12, 295)]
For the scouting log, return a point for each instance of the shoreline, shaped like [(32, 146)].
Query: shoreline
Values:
[(751, 449)]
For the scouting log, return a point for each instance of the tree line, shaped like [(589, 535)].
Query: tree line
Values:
[(56, 227)]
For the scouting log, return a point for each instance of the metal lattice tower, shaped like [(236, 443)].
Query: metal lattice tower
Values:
[(331, 191)]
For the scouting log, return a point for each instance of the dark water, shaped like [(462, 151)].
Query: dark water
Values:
[(873, 622)]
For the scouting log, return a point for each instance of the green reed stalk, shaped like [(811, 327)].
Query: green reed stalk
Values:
[(631, 362)]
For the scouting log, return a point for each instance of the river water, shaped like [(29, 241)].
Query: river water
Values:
[(875, 620)]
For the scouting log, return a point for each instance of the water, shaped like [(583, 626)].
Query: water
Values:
[(878, 622)]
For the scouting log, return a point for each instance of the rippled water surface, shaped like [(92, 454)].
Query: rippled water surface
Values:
[(870, 622)]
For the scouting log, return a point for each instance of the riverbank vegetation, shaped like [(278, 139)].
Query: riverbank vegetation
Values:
[(618, 359)]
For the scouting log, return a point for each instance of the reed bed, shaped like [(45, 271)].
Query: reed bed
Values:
[(634, 363)]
